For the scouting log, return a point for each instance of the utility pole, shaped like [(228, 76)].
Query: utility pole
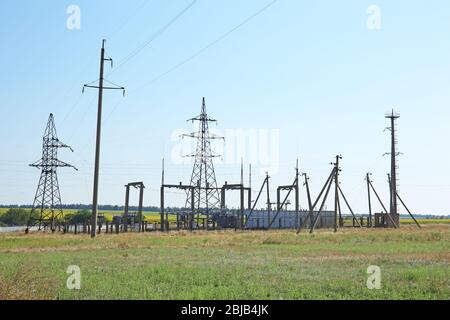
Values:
[(250, 176), (308, 194), (97, 143), (162, 196), (393, 181), (100, 88), (297, 195), (336, 190), (390, 191), (268, 198), (249, 195), (368, 195), (242, 171)]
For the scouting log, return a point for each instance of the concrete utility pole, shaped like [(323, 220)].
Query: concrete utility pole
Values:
[(100, 88), (97, 143), (297, 195), (269, 205), (370, 201), (336, 195), (242, 171), (308, 193), (393, 181), (250, 177)]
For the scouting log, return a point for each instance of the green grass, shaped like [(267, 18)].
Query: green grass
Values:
[(229, 265)]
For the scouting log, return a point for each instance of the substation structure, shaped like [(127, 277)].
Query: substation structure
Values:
[(247, 217), (206, 203), (205, 206)]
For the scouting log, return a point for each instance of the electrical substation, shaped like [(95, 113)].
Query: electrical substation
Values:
[(220, 159), (206, 205)]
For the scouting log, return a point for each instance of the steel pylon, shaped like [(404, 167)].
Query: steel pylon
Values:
[(206, 195), (47, 209)]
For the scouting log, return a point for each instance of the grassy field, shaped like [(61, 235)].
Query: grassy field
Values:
[(415, 264)]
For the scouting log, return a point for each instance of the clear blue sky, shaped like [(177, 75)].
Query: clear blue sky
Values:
[(310, 69)]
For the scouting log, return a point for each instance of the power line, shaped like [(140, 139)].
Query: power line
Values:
[(137, 51), (192, 57), (153, 37), (83, 70), (211, 44), (129, 17), (72, 108)]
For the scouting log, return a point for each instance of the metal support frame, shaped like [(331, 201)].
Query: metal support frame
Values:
[(141, 187), (203, 176), (242, 189), (47, 200), (293, 187), (191, 190)]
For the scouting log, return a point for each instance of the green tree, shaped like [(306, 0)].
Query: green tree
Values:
[(79, 217), (16, 217)]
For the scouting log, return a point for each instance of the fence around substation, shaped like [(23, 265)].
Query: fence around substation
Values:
[(217, 220), (287, 219)]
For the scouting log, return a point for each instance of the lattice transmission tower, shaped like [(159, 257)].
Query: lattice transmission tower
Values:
[(206, 195), (47, 210)]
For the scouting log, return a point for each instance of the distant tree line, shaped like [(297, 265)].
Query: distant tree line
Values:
[(15, 217), (19, 215), (88, 207), (109, 207)]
